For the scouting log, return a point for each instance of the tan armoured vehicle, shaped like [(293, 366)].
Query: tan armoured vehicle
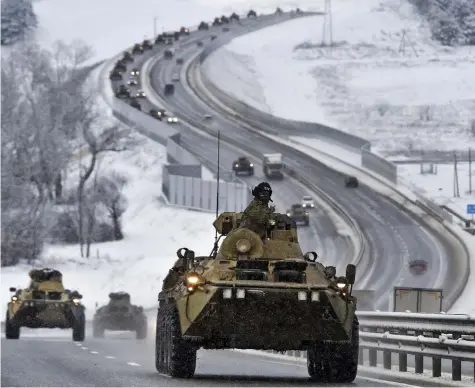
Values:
[(45, 303), (255, 294)]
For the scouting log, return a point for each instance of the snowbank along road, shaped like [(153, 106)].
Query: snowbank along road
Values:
[(393, 236)]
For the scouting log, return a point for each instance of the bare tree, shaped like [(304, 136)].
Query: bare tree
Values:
[(111, 139), (109, 191)]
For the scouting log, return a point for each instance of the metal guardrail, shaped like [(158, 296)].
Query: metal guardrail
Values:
[(435, 336)]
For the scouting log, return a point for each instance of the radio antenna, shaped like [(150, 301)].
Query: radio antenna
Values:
[(216, 239)]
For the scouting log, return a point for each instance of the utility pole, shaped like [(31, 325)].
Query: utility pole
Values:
[(470, 171), (327, 23), (456, 177), (155, 18)]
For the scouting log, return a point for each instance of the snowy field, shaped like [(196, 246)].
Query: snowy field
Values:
[(110, 26), (383, 79)]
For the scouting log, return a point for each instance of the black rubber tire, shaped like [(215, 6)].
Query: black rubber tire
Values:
[(160, 364), (335, 362), (97, 330), (11, 331), (79, 328), (142, 329), (179, 357)]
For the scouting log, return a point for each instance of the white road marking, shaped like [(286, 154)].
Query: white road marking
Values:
[(110, 357), (387, 382), (133, 364), (84, 348), (94, 352)]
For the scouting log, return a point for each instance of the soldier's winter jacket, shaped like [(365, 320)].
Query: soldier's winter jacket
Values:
[(256, 217)]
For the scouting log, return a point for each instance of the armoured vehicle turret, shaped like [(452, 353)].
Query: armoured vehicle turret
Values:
[(119, 314), (45, 303), (263, 294)]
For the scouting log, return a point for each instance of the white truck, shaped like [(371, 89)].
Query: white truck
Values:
[(273, 166), (417, 300)]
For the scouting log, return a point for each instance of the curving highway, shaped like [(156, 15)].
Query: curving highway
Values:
[(393, 236)]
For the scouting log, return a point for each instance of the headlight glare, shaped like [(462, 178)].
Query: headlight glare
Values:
[(14, 298), (76, 301), (341, 282)]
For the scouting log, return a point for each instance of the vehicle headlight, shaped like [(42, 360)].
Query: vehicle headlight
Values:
[(169, 120), (175, 120), (14, 298), (236, 165), (252, 165), (193, 280), (288, 214), (76, 301), (243, 246), (341, 282)]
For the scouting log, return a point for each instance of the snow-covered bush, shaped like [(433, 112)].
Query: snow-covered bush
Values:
[(452, 22), (18, 20)]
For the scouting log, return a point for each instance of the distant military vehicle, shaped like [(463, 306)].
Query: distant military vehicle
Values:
[(127, 57), (160, 38), (243, 165), (115, 75), (351, 181), (137, 49), (122, 92), (147, 44), (120, 66), (298, 214), (234, 16), (308, 202), (251, 295), (45, 303), (119, 314), (169, 53), (169, 89), (252, 14), (203, 26), (134, 103), (184, 31)]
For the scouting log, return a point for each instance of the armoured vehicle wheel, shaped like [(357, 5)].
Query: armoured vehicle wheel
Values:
[(11, 331), (141, 331), (160, 365), (179, 357), (97, 330), (79, 328), (334, 362)]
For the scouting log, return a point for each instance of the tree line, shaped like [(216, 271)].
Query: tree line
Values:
[(53, 138)]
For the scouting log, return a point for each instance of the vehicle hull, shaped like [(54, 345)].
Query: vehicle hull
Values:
[(46, 315), (265, 318)]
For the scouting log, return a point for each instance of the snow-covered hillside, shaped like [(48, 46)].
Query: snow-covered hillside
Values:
[(110, 26), (383, 79)]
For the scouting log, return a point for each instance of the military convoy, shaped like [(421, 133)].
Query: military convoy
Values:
[(254, 295), (45, 303), (119, 314)]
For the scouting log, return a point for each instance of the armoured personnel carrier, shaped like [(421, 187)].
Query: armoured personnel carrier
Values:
[(257, 294), (45, 303), (119, 314)]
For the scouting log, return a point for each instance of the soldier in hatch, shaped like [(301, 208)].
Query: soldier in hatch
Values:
[(257, 214)]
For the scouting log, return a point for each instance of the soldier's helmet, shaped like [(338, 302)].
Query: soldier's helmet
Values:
[(263, 191)]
